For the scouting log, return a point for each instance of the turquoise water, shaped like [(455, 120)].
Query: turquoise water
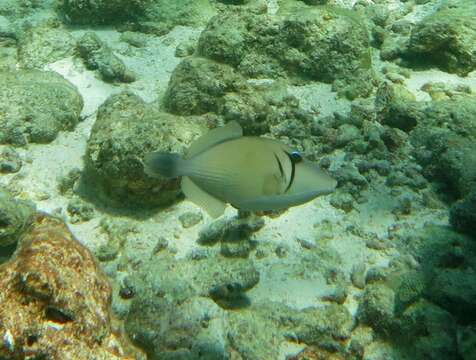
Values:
[(378, 95)]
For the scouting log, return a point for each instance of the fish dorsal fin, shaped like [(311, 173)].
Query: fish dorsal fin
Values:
[(231, 130), (213, 206)]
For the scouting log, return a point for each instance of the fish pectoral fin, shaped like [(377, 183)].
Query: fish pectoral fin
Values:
[(231, 130), (213, 206)]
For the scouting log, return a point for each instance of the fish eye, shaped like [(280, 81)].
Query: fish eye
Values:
[(295, 156)]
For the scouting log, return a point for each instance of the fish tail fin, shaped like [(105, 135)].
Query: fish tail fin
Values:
[(163, 164)]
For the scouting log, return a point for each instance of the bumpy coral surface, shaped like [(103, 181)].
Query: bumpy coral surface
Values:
[(35, 106), (448, 37), (126, 129), (55, 300), (319, 43)]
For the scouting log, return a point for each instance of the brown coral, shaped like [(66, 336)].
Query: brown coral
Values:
[(55, 300)]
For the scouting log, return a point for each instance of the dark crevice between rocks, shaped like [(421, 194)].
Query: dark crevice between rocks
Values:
[(6, 252), (57, 315)]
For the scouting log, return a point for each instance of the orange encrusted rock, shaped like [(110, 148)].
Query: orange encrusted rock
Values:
[(55, 300)]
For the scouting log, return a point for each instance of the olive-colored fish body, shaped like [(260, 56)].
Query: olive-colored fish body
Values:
[(251, 173)]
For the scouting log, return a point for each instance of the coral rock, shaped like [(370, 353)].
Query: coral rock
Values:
[(55, 300)]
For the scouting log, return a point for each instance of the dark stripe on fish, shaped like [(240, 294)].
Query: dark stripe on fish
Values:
[(293, 170), (281, 171)]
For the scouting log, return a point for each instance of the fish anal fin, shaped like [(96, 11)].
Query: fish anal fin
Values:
[(231, 130), (213, 206)]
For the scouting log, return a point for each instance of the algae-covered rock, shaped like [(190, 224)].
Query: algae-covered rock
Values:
[(173, 315), (252, 335), (441, 247), (150, 16), (234, 235), (324, 43), (467, 342), (190, 218), (455, 291), (377, 308), (456, 113), (445, 143), (42, 45), (192, 329), (56, 301), (35, 106), (162, 15), (125, 130), (447, 158), (257, 331), (410, 288), (79, 210), (324, 326), (102, 11), (10, 161), (463, 215), (396, 107), (8, 54), (430, 330), (447, 37), (98, 56), (15, 216), (198, 86), (229, 230)]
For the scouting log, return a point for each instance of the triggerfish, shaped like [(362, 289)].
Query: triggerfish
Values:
[(250, 173)]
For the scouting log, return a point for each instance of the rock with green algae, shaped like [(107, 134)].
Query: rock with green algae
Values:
[(445, 146), (176, 311), (15, 217), (397, 107), (377, 308), (457, 113), (157, 16), (42, 45), (98, 56), (257, 331), (79, 210), (252, 335), (35, 106), (447, 37), (447, 158), (467, 342), (192, 329), (463, 215), (430, 330), (199, 86), (190, 218), (455, 291), (103, 11), (163, 15), (419, 301), (8, 54), (324, 327), (125, 130), (299, 44), (118, 232), (56, 301), (10, 161), (409, 288)]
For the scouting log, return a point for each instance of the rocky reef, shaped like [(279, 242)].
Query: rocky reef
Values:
[(125, 130), (381, 94), (300, 44), (35, 106), (55, 300)]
